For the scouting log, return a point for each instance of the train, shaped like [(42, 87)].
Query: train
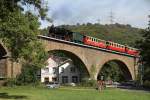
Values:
[(64, 34)]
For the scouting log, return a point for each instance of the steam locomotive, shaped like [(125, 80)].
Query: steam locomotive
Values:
[(88, 40)]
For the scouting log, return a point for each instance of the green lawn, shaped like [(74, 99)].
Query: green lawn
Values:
[(31, 93)]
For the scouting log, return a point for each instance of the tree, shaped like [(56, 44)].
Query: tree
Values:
[(144, 46), (8, 6), (19, 30), (28, 75)]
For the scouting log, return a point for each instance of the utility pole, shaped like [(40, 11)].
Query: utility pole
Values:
[(98, 21), (111, 17), (149, 23)]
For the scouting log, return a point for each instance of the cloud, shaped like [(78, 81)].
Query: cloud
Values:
[(62, 13), (132, 12)]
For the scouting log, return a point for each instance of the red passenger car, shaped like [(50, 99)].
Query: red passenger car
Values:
[(109, 45), (94, 42)]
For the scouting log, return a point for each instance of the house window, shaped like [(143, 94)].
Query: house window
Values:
[(46, 80), (64, 79), (54, 70), (54, 79), (75, 79), (46, 70), (38, 74), (72, 69)]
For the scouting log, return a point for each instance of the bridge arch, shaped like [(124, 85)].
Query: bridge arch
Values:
[(123, 66), (84, 72), (3, 61), (3, 50)]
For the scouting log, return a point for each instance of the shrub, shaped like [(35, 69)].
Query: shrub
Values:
[(10, 82), (146, 84), (28, 75), (88, 83)]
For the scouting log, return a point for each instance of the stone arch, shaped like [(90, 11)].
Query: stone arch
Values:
[(75, 58), (122, 64), (3, 51), (3, 62)]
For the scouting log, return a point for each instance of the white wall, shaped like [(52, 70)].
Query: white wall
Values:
[(49, 72)]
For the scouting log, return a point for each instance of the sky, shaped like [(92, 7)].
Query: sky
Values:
[(133, 12)]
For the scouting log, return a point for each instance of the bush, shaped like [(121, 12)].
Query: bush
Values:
[(88, 83), (28, 76), (10, 82), (146, 84)]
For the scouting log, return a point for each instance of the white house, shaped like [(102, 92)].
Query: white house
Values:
[(68, 72)]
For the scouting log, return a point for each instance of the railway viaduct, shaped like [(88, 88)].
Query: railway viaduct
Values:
[(93, 56), (88, 55)]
